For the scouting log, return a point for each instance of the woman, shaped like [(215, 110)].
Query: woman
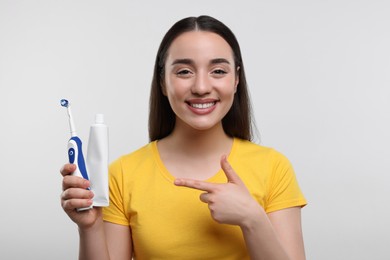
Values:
[(200, 189)]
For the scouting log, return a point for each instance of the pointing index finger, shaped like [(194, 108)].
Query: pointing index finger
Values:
[(228, 170), (195, 184)]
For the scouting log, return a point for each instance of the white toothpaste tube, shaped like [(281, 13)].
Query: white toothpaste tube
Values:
[(97, 161)]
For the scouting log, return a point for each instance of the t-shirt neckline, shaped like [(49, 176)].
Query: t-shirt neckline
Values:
[(168, 176)]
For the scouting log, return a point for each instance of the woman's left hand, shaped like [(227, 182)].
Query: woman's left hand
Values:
[(229, 203)]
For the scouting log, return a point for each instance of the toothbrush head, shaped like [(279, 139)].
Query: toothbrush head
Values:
[(64, 103)]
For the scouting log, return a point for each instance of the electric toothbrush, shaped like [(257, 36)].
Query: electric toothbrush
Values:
[(75, 152)]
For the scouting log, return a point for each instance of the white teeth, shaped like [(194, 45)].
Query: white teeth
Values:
[(205, 105)]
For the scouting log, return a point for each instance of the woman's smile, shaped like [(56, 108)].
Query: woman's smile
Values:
[(202, 107)]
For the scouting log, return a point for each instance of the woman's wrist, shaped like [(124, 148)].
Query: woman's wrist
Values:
[(93, 228), (253, 217), (93, 244)]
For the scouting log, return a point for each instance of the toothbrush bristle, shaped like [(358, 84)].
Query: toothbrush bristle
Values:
[(64, 103)]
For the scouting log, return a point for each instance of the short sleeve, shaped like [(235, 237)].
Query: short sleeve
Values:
[(283, 190), (115, 212)]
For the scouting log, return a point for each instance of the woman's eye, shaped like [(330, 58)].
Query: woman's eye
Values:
[(219, 72), (183, 72)]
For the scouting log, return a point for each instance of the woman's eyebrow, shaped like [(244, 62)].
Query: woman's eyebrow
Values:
[(183, 61), (191, 62), (219, 60)]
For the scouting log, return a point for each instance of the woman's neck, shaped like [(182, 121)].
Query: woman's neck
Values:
[(193, 142), (194, 154)]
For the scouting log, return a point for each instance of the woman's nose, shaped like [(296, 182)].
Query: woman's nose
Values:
[(202, 84)]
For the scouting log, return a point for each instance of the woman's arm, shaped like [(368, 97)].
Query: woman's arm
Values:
[(98, 239), (105, 240), (276, 236), (93, 242), (287, 224), (119, 241)]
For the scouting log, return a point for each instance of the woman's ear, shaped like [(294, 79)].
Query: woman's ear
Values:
[(163, 89), (237, 79)]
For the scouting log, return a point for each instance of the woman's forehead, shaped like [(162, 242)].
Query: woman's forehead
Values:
[(199, 45)]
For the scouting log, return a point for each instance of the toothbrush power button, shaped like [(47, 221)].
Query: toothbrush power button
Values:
[(71, 155)]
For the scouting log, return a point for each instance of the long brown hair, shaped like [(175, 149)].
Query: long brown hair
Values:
[(237, 122)]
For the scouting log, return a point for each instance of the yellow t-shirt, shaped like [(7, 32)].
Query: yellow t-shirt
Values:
[(170, 222)]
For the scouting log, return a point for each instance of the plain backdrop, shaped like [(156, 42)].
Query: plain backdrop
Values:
[(319, 78)]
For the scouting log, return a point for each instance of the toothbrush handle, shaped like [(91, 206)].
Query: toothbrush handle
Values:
[(75, 155)]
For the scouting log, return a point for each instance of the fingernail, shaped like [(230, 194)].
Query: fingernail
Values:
[(72, 167)]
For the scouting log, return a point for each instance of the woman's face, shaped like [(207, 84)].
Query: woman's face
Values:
[(200, 79)]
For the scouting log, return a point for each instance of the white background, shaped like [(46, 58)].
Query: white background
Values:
[(319, 76)]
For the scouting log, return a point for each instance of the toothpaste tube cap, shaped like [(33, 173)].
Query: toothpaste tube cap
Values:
[(99, 119)]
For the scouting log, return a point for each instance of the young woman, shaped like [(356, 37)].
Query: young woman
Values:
[(200, 189)]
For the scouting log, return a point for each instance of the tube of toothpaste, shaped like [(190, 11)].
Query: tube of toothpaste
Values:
[(97, 161)]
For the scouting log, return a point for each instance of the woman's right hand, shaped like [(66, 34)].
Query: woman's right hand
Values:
[(75, 195)]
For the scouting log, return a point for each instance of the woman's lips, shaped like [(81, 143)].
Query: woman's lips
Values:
[(202, 107)]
